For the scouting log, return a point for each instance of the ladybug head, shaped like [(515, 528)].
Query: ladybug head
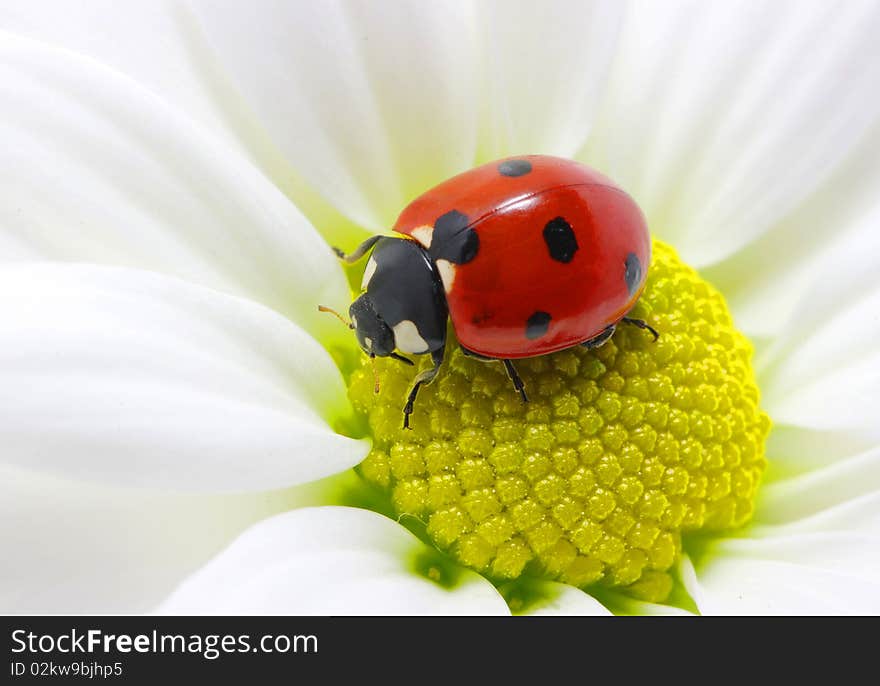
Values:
[(373, 335), (401, 306)]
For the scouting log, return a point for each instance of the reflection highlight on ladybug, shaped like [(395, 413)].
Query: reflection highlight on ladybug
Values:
[(527, 256)]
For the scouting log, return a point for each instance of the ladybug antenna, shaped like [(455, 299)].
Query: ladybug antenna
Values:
[(375, 373), (322, 308)]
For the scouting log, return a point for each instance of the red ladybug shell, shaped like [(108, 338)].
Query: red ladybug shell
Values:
[(536, 253)]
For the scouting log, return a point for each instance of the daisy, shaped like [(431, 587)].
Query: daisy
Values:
[(177, 431)]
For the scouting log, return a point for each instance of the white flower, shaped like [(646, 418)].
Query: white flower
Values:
[(165, 375)]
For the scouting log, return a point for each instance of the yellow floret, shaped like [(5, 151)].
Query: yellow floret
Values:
[(621, 450)]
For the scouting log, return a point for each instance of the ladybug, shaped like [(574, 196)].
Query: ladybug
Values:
[(527, 256)]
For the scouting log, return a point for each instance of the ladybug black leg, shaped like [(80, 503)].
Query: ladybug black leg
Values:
[(517, 382), (596, 341), (424, 377), (477, 356), (359, 251), (642, 324)]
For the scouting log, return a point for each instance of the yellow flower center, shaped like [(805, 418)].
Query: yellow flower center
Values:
[(619, 451)]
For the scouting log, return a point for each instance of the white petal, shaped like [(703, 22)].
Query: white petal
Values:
[(155, 42), (71, 547), (793, 450), (96, 168), (547, 64), (563, 600), (857, 515), (640, 608), (131, 377), (160, 44), (823, 372), (370, 106), (623, 604), (815, 492), (328, 561), (722, 117), (800, 574), (766, 281)]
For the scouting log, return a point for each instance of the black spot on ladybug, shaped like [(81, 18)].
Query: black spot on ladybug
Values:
[(453, 239), (514, 167), (632, 273), (560, 240), (450, 223), (482, 317), (537, 325)]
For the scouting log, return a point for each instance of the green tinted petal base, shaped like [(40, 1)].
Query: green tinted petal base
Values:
[(619, 452)]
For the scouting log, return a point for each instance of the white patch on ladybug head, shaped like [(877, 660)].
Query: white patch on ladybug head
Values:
[(408, 339), (368, 342), (424, 234), (369, 270), (447, 273)]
